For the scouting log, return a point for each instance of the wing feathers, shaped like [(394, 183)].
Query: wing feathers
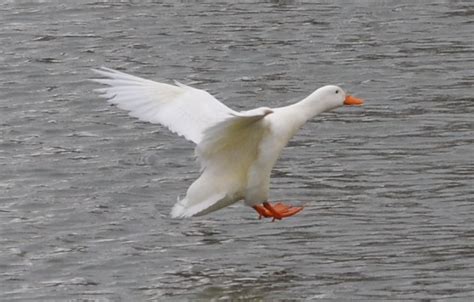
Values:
[(237, 135), (184, 110)]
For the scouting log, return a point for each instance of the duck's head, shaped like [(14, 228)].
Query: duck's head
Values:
[(334, 97)]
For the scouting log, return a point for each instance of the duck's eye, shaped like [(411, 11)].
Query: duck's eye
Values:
[(337, 91)]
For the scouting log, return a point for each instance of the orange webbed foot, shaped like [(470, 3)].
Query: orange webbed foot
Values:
[(262, 212), (277, 211)]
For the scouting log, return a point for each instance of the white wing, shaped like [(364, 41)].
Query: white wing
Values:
[(226, 153), (234, 139), (182, 109)]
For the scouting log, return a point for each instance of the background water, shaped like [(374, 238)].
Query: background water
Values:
[(388, 187)]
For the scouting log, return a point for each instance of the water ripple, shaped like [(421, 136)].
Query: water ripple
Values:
[(387, 188)]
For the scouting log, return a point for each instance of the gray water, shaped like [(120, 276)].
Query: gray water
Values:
[(387, 187)]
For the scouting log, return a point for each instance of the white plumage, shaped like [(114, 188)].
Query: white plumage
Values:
[(236, 150), (182, 109)]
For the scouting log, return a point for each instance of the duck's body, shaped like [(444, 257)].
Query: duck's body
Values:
[(241, 171), (237, 150)]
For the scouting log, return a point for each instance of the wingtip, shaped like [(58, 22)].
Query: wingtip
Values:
[(99, 72), (179, 84), (102, 70), (105, 72)]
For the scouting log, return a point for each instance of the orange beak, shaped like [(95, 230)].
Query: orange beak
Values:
[(353, 101)]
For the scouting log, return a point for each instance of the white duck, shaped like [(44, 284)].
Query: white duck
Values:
[(236, 150)]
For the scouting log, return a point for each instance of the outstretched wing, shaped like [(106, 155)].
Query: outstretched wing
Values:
[(226, 153), (184, 110)]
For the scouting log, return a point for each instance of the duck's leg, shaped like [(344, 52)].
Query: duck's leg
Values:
[(277, 211)]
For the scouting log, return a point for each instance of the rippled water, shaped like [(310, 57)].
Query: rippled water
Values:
[(388, 188)]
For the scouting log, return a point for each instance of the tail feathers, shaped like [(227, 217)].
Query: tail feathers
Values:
[(179, 209), (185, 208)]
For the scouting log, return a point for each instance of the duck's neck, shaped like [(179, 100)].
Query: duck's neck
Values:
[(307, 108)]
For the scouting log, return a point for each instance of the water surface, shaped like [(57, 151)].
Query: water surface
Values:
[(388, 188)]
